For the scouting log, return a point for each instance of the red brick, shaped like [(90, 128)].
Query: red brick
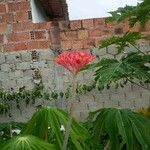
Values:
[(15, 37), (40, 35), (3, 28), (8, 18), (66, 45), (32, 45), (20, 46), (43, 44), (2, 8), (95, 33), (88, 23), (83, 34), (89, 43), (1, 38), (9, 47), (99, 22), (12, 37), (77, 44), (25, 26), (75, 24), (21, 16), (68, 35), (64, 25), (42, 25), (23, 36), (17, 6)]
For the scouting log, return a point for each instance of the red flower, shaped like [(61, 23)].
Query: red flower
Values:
[(74, 61)]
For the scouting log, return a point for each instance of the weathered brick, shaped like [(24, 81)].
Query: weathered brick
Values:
[(68, 35), (16, 6), (1, 38), (2, 8), (44, 44), (3, 28), (99, 22), (88, 23), (66, 45), (89, 43), (20, 46), (77, 44), (75, 24), (40, 34), (32, 45), (95, 33), (83, 34), (64, 25), (21, 16), (7, 18)]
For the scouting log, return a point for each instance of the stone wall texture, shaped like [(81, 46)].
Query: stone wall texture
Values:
[(26, 47)]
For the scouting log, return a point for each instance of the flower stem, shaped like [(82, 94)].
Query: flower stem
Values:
[(71, 110)]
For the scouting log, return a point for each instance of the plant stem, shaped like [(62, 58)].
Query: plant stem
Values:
[(107, 146), (137, 49), (71, 113)]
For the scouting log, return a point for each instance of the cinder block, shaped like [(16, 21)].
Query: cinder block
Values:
[(23, 65), (5, 67), (13, 58), (2, 58), (46, 55), (26, 56)]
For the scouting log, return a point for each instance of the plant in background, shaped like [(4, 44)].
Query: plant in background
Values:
[(73, 61)]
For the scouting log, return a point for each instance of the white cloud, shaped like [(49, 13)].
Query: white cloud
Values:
[(82, 9)]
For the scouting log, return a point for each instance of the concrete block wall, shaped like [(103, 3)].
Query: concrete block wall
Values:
[(26, 47)]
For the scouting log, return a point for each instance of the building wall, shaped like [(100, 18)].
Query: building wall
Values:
[(26, 47)]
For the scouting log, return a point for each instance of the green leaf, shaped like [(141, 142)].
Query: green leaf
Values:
[(46, 124), (128, 68), (126, 129), (27, 142), (129, 38), (139, 13)]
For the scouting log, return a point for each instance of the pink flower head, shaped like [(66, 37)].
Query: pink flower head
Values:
[(75, 60)]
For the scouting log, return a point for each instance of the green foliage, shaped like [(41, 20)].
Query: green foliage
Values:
[(6, 130), (128, 39), (27, 142), (126, 69), (139, 13), (46, 124), (123, 129)]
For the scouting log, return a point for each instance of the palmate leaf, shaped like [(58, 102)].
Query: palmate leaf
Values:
[(126, 129), (27, 142), (46, 124), (130, 67), (129, 38)]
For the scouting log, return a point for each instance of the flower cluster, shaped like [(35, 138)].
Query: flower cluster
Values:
[(74, 60)]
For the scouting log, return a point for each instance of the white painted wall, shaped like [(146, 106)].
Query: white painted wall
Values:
[(38, 14)]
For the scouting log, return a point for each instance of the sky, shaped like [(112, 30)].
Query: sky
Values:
[(84, 9)]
